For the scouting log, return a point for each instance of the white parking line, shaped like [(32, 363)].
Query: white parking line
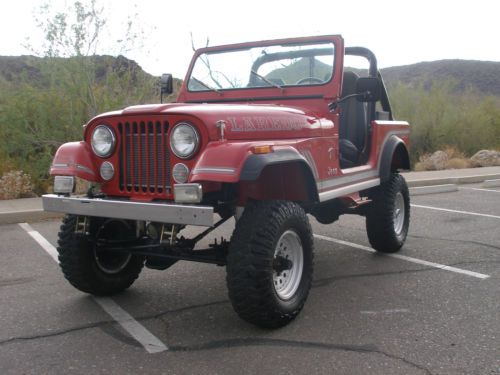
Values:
[(46, 245), (479, 189), (150, 342), (455, 211), (387, 311), (406, 258)]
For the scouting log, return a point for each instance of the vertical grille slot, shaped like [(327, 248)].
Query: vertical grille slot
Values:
[(144, 157)]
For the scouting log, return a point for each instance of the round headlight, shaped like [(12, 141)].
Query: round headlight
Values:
[(184, 140), (102, 141)]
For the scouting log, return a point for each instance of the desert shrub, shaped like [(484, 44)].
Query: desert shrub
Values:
[(6, 164), (81, 186), (459, 163), (453, 152), (448, 158), (443, 117), (424, 164), (16, 184)]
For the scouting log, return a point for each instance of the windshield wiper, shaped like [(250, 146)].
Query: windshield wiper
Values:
[(201, 83), (266, 80)]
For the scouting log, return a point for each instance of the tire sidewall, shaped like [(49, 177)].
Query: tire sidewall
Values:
[(380, 215), (402, 188)]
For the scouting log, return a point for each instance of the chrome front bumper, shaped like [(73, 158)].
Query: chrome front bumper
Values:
[(131, 210)]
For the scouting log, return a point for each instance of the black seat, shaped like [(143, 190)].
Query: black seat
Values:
[(353, 124)]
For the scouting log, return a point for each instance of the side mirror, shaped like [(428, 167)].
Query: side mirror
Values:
[(166, 85), (368, 89)]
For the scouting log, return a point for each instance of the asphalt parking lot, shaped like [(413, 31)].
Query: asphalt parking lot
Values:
[(432, 309)]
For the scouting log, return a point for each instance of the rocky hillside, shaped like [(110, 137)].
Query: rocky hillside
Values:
[(32, 70), (483, 76)]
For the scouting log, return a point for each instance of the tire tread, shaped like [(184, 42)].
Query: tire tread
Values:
[(249, 269), (379, 217), (76, 262)]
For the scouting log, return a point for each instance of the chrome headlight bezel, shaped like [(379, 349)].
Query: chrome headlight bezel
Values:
[(184, 126), (109, 149)]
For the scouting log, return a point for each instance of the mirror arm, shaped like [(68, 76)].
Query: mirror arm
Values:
[(333, 105)]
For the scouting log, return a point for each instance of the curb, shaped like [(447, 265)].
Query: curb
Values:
[(433, 189), (22, 216), (452, 180), (491, 183)]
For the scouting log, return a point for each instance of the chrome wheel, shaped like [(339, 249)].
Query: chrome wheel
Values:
[(288, 265), (399, 213)]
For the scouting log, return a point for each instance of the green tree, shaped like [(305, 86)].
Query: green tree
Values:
[(75, 84), (442, 116)]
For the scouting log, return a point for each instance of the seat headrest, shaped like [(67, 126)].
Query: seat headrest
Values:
[(349, 83)]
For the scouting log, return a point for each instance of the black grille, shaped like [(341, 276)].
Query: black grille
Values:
[(144, 157)]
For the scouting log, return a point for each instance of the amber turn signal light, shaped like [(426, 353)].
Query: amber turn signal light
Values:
[(266, 149)]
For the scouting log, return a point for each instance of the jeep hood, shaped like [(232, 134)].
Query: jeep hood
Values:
[(241, 121)]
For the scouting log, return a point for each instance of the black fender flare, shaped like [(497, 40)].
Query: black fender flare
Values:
[(394, 146), (256, 163)]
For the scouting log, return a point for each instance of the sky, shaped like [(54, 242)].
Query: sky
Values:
[(399, 32)]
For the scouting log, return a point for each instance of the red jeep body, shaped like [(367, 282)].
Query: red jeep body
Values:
[(259, 140)]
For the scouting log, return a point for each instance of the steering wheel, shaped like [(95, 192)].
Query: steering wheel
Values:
[(310, 79)]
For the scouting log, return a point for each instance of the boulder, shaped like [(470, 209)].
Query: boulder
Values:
[(486, 158), (439, 160)]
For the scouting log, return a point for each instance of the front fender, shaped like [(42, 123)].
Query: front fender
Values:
[(282, 174), (255, 164), (74, 159), (234, 162), (221, 161), (394, 157)]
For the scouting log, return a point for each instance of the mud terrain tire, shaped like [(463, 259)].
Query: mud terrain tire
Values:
[(270, 263), (81, 267), (388, 217)]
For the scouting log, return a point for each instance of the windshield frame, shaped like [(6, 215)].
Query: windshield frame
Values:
[(272, 91)]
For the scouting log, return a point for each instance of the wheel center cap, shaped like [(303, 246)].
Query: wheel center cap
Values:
[(281, 264)]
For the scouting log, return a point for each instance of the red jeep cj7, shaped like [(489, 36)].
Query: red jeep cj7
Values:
[(265, 132)]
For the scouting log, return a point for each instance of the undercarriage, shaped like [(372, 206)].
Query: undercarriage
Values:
[(160, 244)]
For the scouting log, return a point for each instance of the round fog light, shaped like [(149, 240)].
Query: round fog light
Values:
[(180, 173), (107, 171)]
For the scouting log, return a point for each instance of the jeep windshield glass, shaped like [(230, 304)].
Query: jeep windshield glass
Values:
[(270, 66)]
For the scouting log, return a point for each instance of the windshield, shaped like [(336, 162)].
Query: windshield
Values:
[(270, 66)]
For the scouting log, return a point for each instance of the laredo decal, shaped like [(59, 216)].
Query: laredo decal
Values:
[(261, 123)]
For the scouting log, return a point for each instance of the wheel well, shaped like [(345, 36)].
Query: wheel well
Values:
[(292, 181), (394, 157), (400, 158)]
